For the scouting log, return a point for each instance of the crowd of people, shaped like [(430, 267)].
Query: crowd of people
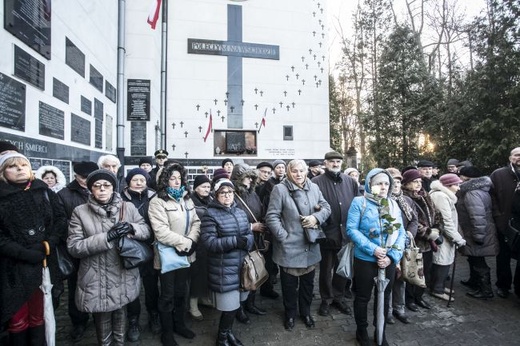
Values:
[(215, 220)]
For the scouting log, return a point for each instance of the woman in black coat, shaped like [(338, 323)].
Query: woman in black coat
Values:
[(226, 235), (29, 215)]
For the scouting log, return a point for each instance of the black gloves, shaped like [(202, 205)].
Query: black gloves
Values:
[(37, 247), (242, 242), (120, 229), (189, 252), (31, 256), (439, 240)]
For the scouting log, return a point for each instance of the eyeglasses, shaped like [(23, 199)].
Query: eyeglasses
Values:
[(99, 185), (226, 193)]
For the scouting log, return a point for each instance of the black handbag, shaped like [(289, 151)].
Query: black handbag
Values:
[(133, 252), (66, 263), (312, 235)]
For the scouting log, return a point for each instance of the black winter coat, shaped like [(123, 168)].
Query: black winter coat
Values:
[(338, 191), (219, 231), (27, 217), (72, 196), (504, 181)]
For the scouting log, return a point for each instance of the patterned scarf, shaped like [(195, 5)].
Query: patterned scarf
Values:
[(405, 207), (176, 194)]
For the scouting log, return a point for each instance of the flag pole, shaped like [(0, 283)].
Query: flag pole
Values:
[(164, 69)]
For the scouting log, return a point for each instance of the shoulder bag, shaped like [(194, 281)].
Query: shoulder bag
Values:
[(170, 258), (133, 252), (412, 270), (312, 235), (253, 273)]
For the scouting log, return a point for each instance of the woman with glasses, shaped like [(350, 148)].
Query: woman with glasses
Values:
[(175, 223), (104, 286), (226, 234), (296, 203)]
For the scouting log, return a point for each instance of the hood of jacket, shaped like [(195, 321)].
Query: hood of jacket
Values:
[(60, 178), (374, 172), (241, 171), (482, 183)]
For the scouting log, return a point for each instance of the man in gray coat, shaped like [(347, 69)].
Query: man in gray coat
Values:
[(338, 190)]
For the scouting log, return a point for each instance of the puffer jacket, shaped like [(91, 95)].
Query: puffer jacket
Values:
[(444, 202), (364, 225), (476, 219), (103, 284), (171, 226), (290, 248), (221, 226)]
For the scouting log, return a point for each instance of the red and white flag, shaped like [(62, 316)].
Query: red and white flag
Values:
[(210, 126), (153, 14), (262, 123)]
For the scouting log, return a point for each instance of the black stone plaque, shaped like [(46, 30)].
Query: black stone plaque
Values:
[(12, 103), (235, 142), (138, 100), (30, 22), (98, 109), (64, 167), (98, 134), (29, 68), (110, 92), (52, 121), (74, 57), (79, 130), (35, 163), (60, 90), (138, 138), (96, 79), (86, 105)]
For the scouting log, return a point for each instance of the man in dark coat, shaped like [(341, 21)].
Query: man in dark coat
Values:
[(505, 182), (338, 190), (426, 169), (75, 194), (161, 156)]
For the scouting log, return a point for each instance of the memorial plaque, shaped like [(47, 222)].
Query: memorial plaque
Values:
[(60, 90), (235, 142), (98, 109), (52, 121), (29, 68), (64, 167), (12, 103), (138, 138), (138, 99), (96, 79), (79, 129), (35, 163), (86, 105), (110, 92), (30, 22), (98, 134), (74, 57)]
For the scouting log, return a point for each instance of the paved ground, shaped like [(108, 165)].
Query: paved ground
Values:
[(467, 322)]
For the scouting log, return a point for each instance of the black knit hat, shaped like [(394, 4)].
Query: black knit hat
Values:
[(226, 160), (84, 168), (4, 146), (425, 163), (137, 171), (264, 164), (199, 180), (146, 160), (471, 172), (100, 174)]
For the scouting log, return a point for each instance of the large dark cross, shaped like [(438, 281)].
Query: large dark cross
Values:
[(235, 50)]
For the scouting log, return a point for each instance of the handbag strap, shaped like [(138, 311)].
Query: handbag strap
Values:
[(245, 205), (187, 219), (294, 200)]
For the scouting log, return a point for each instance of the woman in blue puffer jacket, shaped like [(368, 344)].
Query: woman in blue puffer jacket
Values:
[(226, 234), (371, 250)]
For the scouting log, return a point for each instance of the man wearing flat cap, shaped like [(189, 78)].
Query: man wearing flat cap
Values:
[(75, 194), (339, 190), (425, 167), (314, 168)]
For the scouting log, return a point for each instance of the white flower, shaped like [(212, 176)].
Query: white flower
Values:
[(375, 190)]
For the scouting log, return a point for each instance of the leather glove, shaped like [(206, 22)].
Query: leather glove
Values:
[(31, 256), (242, 242), (189, 252), (439, 240), (118, 230), (460, 243), (37, 247)]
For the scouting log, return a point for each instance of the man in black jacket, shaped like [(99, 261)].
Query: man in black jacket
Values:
[(339, 190), (505, 181), (75, 194)]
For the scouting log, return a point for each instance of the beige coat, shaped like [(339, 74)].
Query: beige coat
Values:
[(103, 284), (444, 201), (168, 220)]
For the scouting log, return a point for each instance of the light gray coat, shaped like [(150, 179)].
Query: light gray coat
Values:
[(103, 284), (290, 248)]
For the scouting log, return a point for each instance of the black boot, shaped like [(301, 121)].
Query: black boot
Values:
[(17, 339), (179, 325), (484, 290), (154, 322), (362, 337), (472, 282), (37, 336), (134, 331), (167, 338), (241, 315), (251, 307), (225, 328)]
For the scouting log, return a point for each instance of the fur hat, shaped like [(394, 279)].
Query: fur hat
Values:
[(199, 180), (43, 170), (410, 175), (450, 179), (84, 168), (100, 174), (331, 155), (470, 172), (137, 171), (278, 162)]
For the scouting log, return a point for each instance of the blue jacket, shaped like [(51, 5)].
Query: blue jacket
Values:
[(219, 231), (364, 228)]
